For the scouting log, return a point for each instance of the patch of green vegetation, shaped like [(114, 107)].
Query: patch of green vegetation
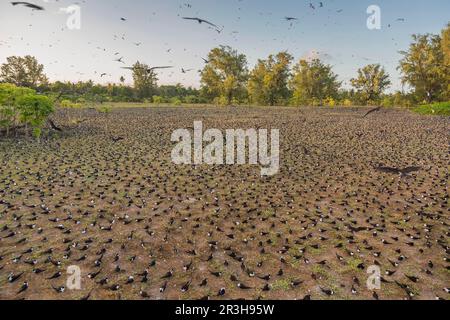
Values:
[(320, 271), (353, 264), (436, 109), (268, 213), (282, 284)]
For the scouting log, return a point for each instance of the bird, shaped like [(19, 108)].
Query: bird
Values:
[(23, 288), (185, 287), (14, 277), (401, 171), (54, 126), (290, 18), (200, 21), (168, 275), (55, 276), (149, 70), (117, 139), (28, 5), (372, 111)]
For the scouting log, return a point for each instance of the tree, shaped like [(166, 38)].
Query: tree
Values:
[(23, 72), (145, 80), (313, 82), (22, 106), (445, 44), (422, 67), (34, 111), (268, 82), (225, 75), (371, 82)]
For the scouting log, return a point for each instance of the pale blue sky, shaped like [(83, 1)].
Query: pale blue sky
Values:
[(254, 27)]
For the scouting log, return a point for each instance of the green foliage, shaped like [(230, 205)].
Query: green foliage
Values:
[(347, 103), (34, 110), (422, 68), (192, 99), (158, 99), (268, 82), (144, 80), (22, 106), (370, 84), (69, 104), (23, 72), (104, 109), (176, 101), (313, 82), (445, 45), (225, 75), (436, 109), (330, 102)]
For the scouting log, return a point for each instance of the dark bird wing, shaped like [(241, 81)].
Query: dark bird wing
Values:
[(389, 170), (53, 125), (201, 21), (372, 111), (162, 67), (27, 4), (409, 170), (210, 23)]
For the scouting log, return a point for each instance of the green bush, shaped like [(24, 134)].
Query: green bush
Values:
[(69, 104), (34, 111), (176, 101), (191, 99), (436, 109), (158, 99), (22, 106)]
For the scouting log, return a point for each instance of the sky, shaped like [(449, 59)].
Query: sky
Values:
[(154, 32)]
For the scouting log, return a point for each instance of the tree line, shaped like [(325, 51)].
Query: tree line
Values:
[(276, 80)]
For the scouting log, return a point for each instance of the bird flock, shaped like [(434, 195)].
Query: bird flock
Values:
[(353, 192), (311, 8)]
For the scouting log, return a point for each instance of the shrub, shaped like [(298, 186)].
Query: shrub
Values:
[(69, 104), (437, 109), (347, 103), (191, 99), (34, 111), (158, 99), (22, 106), (330, 102), (104, 109), (176, 101)]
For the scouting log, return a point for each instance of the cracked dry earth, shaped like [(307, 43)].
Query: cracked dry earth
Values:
[(140, 227)]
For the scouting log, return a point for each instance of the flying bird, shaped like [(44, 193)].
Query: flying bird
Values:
[(200, 21), (149, 70), (28, 5), (403, 172), (372, 111)]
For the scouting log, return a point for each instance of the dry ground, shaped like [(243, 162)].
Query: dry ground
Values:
[(121, 209)]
